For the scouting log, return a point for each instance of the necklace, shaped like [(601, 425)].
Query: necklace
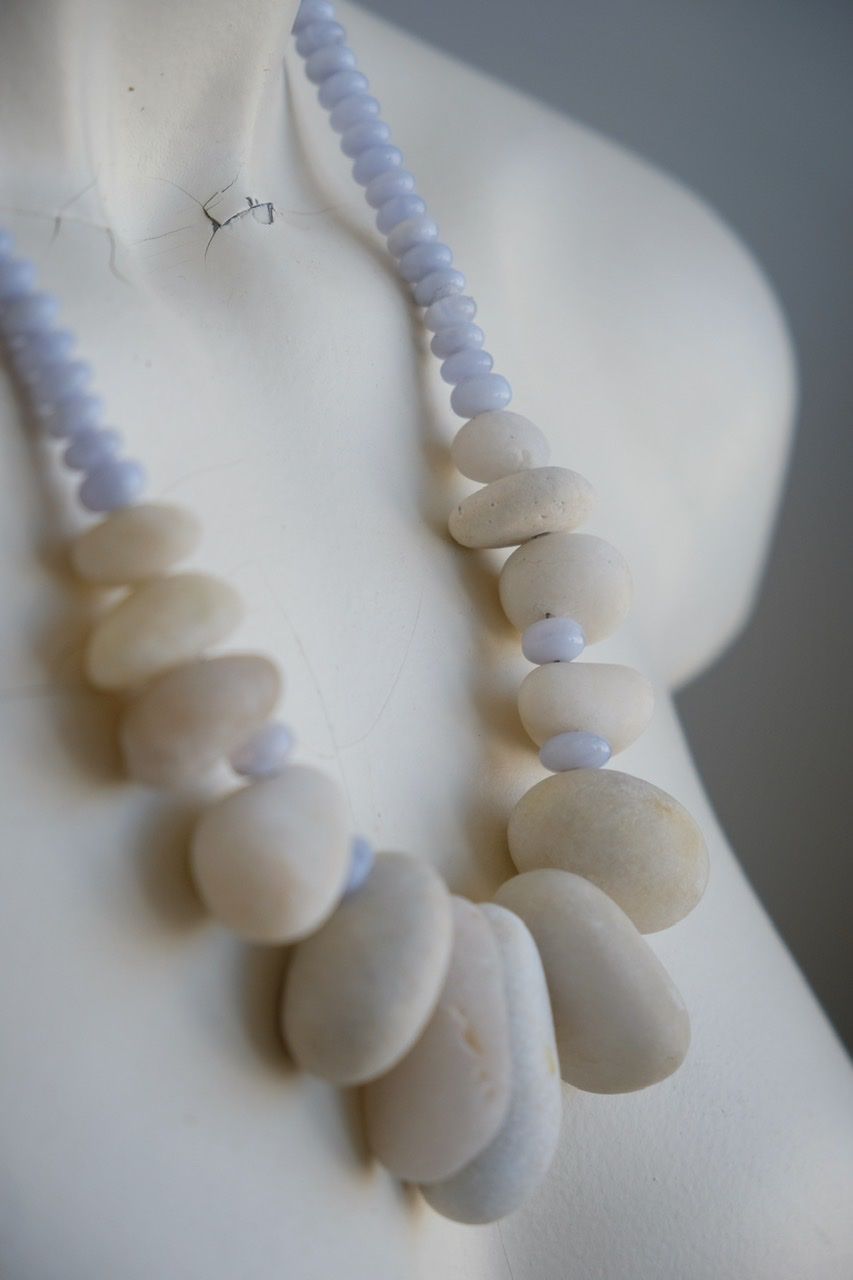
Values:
[(456, 1019)]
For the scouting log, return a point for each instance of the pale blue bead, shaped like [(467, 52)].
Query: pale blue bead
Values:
[(115, 483), (368, 133), (266, 753), (575, 750), (28, 314), (73, 414), (313, 11), (90, 447), (467, 363), (376, 160), (42, 349), (455, 337), (396, 182), (417, 230), (553, 640), (7, 244), (343, 84), (325, 62), (316, 35), (418, 261), (61, 378), (483, 394), (352, 110), (455, 309), (17, 277), (362, 857), (397, 210), (438, 284)]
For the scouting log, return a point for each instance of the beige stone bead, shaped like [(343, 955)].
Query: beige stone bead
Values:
[(496, 444), (612, 701), (445, 1101), (628, 837), (621, 1024), (135, 543), (522, 506), (570, 575), (270, 860), (162, 623), (503, 1176), (185, 721), (360, 991)]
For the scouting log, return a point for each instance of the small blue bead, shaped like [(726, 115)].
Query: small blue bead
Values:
[(455, 309), (575, 750), (61, 378), (17, 277), (313, 11), (90, 447), (367, 133), (398, 209), (455, 337), (376, 160), (362, 857), (396, 182), (553, 640), (42, 349), (114, 483), (418, 261), (7, 244), (326, 61), (438, 284), (32, 313), (343, 84), (467, 363), (483, 394), (418, 230), (352, 110), (73, 414), (317, 35)]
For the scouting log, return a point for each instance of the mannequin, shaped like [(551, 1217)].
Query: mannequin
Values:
[(272, 374)]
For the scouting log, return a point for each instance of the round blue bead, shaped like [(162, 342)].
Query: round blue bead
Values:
[(454, 309), (467, 363), (455, 337), (28, 314), (112, 484), (60, 378), (316, 35), (418, 261), (553, 640), (575, 750), (343, 84), (483, 394), (398, 209), (42, 349), (352, 110), (313, 11), (376, 160), (438, 284), (73, 414), (396, 182), (367, 133), (90, 447), (17, 277), (326, 61)]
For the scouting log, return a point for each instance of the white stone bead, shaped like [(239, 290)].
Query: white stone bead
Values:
[(360, 991), (620, 1023), (628, 837), (188, 719), (497, 444), (503, 1176), (570, 575), (444, 1102), (135, 543), (612, 701), (270, 860), (164, 622), (522, 506)]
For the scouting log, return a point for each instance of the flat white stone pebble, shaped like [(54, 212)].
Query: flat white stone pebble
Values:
[(503, 1176), (630, 838), (621, 1024), (497, 444), (522, 506), (164, 622), (360, 991), (270, 860), (611, 701), (444, 1102), (135, 543), (570, 575)]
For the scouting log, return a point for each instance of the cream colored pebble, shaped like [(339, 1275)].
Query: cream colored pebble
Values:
[(570, 575), (270, 860), (503, 1176), (444, 1102), (628, 837), (135, 543), (612, 701), (185, 721), (162, 623), (360, 991), (620, 1023), (494, 445), (522, 506)]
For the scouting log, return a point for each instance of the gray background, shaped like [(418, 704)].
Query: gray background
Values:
[(750, 102)]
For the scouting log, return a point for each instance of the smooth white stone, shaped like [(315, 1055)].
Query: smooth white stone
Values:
[(270, 860), (612, 701), (360, 991), (621, 1024), (628, 837), (497, 444), (135, 543), (444, 1102), (503, 1176), (568, 575), (522, 506), (161, 624), (188, 719)]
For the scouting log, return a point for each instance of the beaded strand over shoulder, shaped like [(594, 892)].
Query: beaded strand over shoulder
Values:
[(490, 1003)]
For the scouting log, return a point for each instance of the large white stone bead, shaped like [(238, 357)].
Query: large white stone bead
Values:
[(360, 991), (522, 506), (630, 838), (612, 701), (135, 543), (185, 721), (503, 1176), (445, 1101), (570, 575), (621, 1024), (162, 623), (497, 444), (270, 860)]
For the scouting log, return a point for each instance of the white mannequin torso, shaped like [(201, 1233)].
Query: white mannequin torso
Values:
[(277, 384)]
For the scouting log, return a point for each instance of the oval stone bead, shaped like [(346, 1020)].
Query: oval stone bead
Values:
[(570, 575), (522, 506), (270, 860), (621, 1024), (135, 543), (503, 1176), (360, 991), (494, 445), (609, 700), (628, 837), (161, 624), (444, 1102), (185, 721)]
